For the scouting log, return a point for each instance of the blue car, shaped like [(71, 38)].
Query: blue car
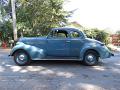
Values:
[(60, 44)]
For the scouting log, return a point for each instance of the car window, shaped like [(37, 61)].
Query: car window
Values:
[(74, 34), (59, 34)]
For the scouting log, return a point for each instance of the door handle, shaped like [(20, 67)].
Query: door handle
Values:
[(67, 41)]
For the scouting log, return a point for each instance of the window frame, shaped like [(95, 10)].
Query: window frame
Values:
[(52, 31), (75, 37)]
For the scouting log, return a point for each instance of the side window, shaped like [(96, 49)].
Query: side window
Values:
[(59, 34), (74, 34)]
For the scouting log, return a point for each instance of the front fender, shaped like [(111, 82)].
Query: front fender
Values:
[(34, 52), (88, 47)]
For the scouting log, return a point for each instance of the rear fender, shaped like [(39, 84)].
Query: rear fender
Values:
[(34, 52)]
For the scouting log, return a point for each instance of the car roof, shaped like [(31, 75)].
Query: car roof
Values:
[(66, 28)]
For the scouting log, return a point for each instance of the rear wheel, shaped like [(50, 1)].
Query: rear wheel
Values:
[(21, 58), (90, 58)]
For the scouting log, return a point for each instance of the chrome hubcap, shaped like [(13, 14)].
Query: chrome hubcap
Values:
[(21, 57), (90, 58)]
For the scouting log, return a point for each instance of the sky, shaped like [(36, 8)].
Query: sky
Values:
[(102, 14)]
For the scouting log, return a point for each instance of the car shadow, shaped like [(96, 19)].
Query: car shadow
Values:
[(62, 62), (56, 62)]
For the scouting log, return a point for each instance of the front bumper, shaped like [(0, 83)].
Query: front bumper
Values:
[(106, 55), (112, 54), (105, 52)]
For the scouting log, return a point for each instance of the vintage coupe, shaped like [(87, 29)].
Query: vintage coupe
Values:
[(60, 44)]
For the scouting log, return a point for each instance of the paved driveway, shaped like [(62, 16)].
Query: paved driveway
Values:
[(59, 75)]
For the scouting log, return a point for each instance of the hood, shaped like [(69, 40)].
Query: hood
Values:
[(24, 39)]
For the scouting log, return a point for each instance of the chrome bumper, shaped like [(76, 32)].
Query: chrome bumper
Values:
[(112, 54)]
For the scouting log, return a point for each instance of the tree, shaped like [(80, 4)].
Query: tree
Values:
[(34, 18), (6, 31), (37, 17), (5, 22)]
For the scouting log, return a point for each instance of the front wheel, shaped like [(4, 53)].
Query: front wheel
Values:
[(21, 58), (90, 58)]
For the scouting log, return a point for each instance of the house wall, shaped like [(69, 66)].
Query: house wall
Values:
[(115, 39)]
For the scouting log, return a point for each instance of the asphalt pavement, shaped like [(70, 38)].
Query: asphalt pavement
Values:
[(59, 75)]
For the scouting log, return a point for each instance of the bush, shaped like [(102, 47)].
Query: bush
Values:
[(97, 34)]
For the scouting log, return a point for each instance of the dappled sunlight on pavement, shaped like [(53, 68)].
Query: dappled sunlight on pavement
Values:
[(59, 75)]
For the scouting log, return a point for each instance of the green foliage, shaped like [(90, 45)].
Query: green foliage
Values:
[(97, 34), (6, 31), (35, 18)]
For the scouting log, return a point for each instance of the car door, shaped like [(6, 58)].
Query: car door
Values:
[(76, 43), (58, 43)]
